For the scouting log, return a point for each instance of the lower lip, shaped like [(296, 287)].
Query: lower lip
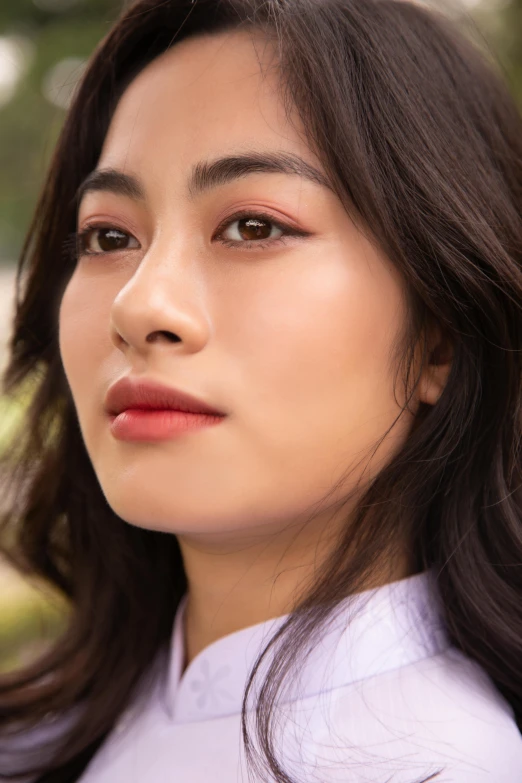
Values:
[(146, 425)]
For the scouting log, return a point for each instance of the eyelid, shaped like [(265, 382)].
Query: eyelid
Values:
[(117, 223)]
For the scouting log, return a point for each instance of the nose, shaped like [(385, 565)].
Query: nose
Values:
[(160, 307)]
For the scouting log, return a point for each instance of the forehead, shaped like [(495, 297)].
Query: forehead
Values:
[(205, 97)]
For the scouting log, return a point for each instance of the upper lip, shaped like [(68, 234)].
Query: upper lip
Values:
[(149, 395)]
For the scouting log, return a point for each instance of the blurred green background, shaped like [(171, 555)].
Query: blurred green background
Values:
[(44, 45)]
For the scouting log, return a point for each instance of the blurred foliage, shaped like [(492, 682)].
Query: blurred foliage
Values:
[(510, 46), (29, 122), (31, 615), (11, 415), (500, 23), (30, 619)]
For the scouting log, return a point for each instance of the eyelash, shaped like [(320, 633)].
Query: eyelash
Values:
[(73, 244)]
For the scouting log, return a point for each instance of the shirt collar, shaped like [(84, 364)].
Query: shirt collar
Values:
[(396, 624)]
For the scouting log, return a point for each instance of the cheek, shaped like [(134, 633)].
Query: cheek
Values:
[(83, 337), (313, 358), (68, 321), (325, 338)]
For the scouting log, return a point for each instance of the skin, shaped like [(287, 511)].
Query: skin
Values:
[(293, 337)]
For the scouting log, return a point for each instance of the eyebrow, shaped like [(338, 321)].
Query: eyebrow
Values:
[(206, 175), (111, 181)]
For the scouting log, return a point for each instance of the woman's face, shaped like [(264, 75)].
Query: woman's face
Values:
[(287, 323)]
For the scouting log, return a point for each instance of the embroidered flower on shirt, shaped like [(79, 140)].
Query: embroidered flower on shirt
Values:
[(209, 686)]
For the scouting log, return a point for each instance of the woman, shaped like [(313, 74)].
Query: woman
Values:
[(271, 307)]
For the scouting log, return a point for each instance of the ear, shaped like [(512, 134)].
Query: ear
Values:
[(437, 366)]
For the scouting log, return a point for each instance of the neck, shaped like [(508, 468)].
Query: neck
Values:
[(235, 582)]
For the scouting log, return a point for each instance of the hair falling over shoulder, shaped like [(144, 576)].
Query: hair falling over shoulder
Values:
[(424, 143)]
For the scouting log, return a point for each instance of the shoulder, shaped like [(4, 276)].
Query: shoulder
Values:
[(442, 713)]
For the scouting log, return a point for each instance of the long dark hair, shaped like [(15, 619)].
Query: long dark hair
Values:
[(423, 143)]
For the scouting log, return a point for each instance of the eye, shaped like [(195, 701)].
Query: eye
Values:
[(252, 228), (98, 239)]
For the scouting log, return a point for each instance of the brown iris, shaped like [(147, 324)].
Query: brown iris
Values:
[(254, 228), (108, 239)]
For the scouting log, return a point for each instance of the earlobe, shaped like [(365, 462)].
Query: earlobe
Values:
[(432, 382), (435, 372)]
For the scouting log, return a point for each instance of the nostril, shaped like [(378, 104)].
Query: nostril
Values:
[(171, 337)]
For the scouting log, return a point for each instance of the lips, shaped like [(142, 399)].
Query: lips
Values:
[(138, 393)]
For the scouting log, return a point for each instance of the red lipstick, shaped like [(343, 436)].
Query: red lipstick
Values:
[(144, 410)]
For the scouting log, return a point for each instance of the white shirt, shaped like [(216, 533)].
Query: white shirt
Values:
[(384, 698)]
